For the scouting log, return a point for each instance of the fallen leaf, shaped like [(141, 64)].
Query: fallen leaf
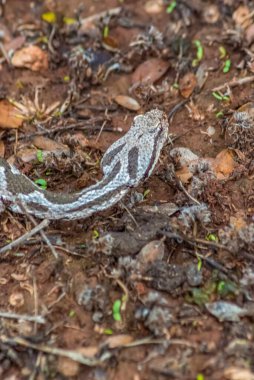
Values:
[(50, 145), (238, 373), (16, 299), (118, 340), (187, 84), (31, 57), (223, 164), (150, 71), (127, 102), (154, 7), (241, 16), (2, 148), (67, 367), (10, 116), (151, 252)]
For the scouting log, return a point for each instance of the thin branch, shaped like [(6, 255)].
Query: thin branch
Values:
[(234, 83), (23, 317), (21, 240)]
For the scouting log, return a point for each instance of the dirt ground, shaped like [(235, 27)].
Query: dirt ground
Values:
[(161, 285)]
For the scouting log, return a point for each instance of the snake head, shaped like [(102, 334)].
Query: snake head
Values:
[(138, 151)]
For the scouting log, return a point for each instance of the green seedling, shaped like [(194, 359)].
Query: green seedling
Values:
[(39, 155), (171, 6), (226, 66), (42, 183), (117, 310), (199, 54)]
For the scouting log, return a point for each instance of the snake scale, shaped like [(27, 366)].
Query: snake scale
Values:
[(126, 163)]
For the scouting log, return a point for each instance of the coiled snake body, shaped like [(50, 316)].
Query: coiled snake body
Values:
[(125, 164)]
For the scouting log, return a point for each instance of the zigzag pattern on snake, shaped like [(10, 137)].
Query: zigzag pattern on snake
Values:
[(126, 163)]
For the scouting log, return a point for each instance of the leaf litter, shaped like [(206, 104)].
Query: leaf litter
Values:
[(168, 274)]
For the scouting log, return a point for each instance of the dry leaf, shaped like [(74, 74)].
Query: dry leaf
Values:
[(127, 102), (16, 299), (150, 71), (151, 252), (10, 116), (242, 16), (50, 145), (2, 148), (237, 373), (118, 340), (223, 164), (31, 57), (187, 84), (153, 7), (67, 367)]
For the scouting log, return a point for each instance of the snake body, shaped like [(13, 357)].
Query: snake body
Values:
[(125, 164)]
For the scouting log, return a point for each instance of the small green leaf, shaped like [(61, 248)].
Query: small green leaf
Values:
[(200, 376), (226, 66), (199, 263), (223, 52), (69, 20), (107, 331), (66, 78), (95, 234), (42, 183), (219, 114), (117, 310), (171, 6), (219, 96), (146, 192), (39, 155), (72, 313), (49, 17), (106, 31), (212, 237)]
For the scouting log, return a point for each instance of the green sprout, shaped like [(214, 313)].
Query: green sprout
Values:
[(49, 17), (226, 66), (199, 54), (171, 6), (117, 310), (72, 313), (95, 234), (200, 376), (146, 192), (220, 97), (39, 155), (212, 237), (42, 183), (223, 52), (219, 114), (107, 331), (106, 31), (199, 263)]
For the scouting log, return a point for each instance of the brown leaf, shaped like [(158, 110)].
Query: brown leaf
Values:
[(10, 116), (151, 252), (118, 340), (150, 71), (187, 84), (50, 145), (223, 164), (2, 149), (67, 367), (31, 57), (241, 16), (127, 102)]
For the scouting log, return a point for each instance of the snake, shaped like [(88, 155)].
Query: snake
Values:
[(126, 163)]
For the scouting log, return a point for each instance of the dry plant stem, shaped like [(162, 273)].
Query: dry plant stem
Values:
[(22, 239), (186, 193), (234, 83), (23, 317), (76, 356), (42, 233), (101, 15)]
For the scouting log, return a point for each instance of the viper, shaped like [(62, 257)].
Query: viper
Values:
[(126, 163)]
